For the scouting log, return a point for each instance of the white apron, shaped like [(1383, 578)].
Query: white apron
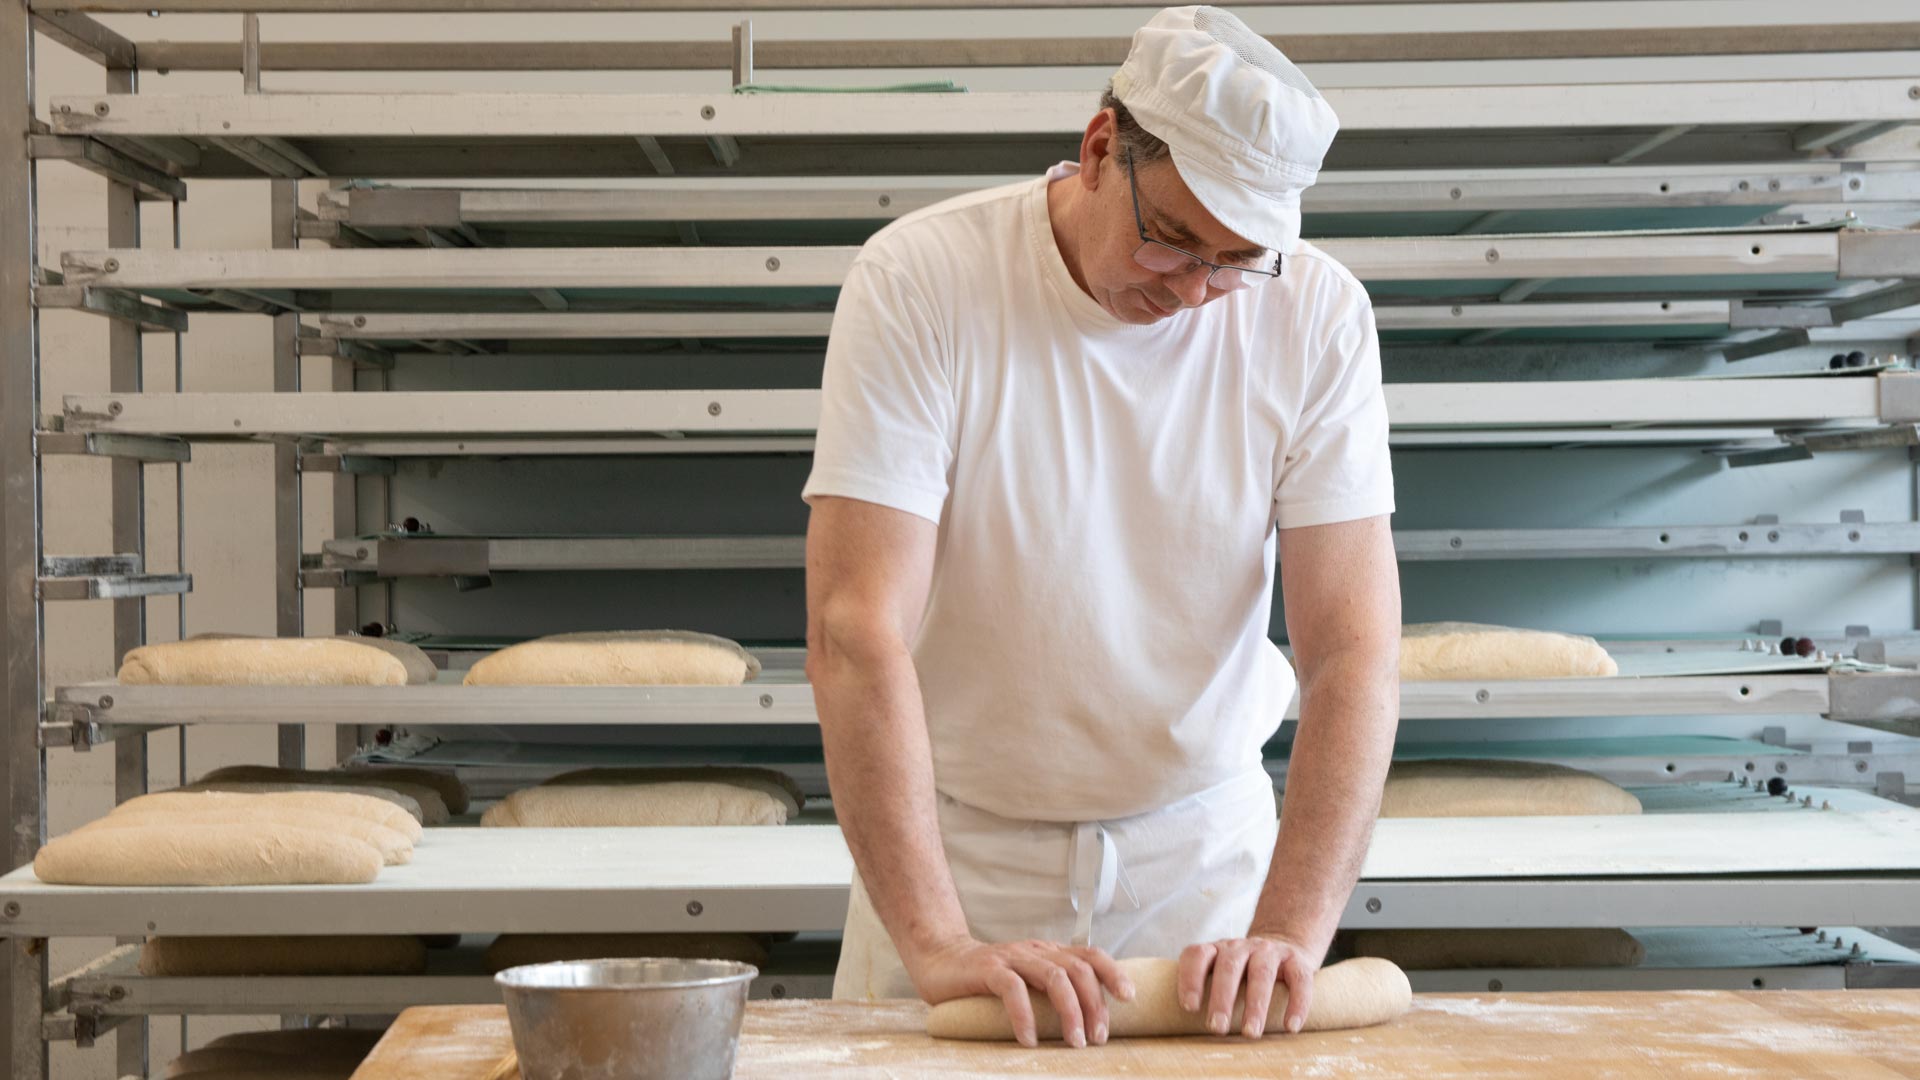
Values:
[(1147, 885)]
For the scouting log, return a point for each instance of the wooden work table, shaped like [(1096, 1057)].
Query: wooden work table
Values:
[(1857, 1035)]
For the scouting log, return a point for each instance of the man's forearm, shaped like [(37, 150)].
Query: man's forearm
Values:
[(1341, 748), (879, 762)]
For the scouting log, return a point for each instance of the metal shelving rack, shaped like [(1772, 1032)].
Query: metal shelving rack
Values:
[(1760, 217)]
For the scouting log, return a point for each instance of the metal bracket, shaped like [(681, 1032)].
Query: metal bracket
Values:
[(1899, 397), (1879, 254), (96, 156), (1765, 345), (1873, 695), (1890, 785), (1747, 314), (112, 303)]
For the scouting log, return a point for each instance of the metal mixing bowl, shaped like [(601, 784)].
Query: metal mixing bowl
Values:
[(626, 1019)]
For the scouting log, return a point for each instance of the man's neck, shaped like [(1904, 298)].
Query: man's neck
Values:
[(1065, 206)]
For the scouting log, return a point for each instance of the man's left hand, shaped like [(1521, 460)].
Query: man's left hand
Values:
[(1259, 962)]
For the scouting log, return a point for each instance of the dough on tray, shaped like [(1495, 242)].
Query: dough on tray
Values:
[(1432, 950), (618, 658), (1457, 650), (359, 954), (772, 781), (1354, 993), (395, 849), (433, 809), (674, 802), (294, 1054), (241, 660), (513, 950), (207, 855), (1452, 787), (451, 789), (241, 804)]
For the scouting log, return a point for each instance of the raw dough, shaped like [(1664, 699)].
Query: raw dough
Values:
[(395, 849), (451, 789), (298, 1054), (513, 950), (1457, 650), (772, 781), (1468, 788), (612, 805), (314, 955), (1355, 993), (239, 660), (406, 803), (618, 658), (343, 803), (1430, 950), (207, 855), (433, 808)]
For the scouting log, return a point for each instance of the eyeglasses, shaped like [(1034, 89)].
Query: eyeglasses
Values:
[(1173, 262)]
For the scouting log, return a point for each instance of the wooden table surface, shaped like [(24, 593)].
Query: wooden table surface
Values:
[(1855, 1035)]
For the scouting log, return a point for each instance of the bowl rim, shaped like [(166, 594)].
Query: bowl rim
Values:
[(737, 971)]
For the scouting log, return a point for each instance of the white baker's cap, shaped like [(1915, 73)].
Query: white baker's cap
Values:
[(1246, 128)]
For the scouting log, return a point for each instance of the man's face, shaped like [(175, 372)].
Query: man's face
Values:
[(1171, 215)]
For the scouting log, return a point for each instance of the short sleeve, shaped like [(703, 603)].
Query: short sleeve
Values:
[(886, 399), (1337, 466)]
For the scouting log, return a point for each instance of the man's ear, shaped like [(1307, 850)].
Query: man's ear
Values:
[(1097, 144)]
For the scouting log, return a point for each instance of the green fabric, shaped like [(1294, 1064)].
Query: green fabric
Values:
[(942, 86)]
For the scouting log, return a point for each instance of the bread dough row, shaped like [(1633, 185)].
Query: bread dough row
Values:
[(594, 658), (1459, 650), (298, 1054), (650, 797)]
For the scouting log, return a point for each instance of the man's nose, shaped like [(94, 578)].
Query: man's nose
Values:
[(1190, 287)]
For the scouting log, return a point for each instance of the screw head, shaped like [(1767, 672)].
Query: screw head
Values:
[(359, 321), (1493, 256), (113, 265), (101, 108), (694, 908), (1744, 186), (706, 112), (1773, 185), (1373, 905), (1483, 696), (773, 264), (1496, 985), (766, 701), (1853, 184), (1914, 92), (1454, 194), (66, 108), (13, 909), (114, 408), (1458, 310), (106, 701), (713, 408), (117, 993), (777, 991), (886, 200)]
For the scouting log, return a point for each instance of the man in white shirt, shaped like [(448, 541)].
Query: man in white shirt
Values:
[(1068, 426)]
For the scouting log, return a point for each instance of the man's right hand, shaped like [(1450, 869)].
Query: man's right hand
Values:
[(1073, 977)]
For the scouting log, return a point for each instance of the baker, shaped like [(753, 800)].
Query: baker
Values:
[(1067, 427)]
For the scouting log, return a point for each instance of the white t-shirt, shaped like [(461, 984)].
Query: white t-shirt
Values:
[(1095, 640)]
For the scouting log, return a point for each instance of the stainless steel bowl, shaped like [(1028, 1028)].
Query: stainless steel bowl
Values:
[(626, 1019)]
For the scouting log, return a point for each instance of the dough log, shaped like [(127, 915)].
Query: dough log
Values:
[(1469, 788), (242, 803), (433, 809), (618, 658), (1457, 650), (236, 660), (300, 955), (207, 855), (616, 805), (1354, 993), (395, 849)]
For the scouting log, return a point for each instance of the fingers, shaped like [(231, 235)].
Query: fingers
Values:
[(1229, 967), (1093, 1000), (1298, 975), (1108, 969), (1049, 977), (1263, 967), (1195, 961), (1012, 992)]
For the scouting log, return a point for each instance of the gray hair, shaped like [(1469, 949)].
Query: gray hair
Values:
[(1144, 146)]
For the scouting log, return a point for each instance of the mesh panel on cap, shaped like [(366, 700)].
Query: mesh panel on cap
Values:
[(1224, 28)]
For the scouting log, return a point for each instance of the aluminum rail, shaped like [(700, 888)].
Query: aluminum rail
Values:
[(789, 701), (429, 555), (1467, 258), (1611, 403)]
